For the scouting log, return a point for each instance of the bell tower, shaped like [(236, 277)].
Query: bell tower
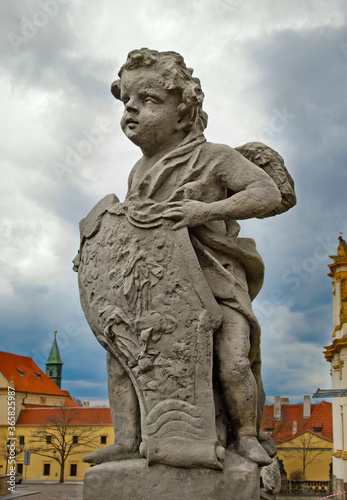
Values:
[(336, 354), (54, 363)]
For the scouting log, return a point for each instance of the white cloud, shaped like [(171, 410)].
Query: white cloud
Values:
[(55, 90)]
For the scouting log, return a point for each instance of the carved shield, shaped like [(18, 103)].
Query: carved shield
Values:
[(147, 302)]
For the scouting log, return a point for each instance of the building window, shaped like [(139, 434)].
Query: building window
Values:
[(51, 373), (20, 468), (268, 430), (317, 429), (21, 440), (37, 375), (73, 470), (48, 439), (46, 469), (20, 373), (103, 439), (75, 439)]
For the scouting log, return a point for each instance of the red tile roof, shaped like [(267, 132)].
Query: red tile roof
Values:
[(33, 380), (68, 403), (76, 416), (282, 430)]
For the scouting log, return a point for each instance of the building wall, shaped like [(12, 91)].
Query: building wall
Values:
[(292, 455), (28, 398), (336, 354), (35, 471)]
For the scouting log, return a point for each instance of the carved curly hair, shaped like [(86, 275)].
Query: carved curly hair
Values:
[(176, 77)]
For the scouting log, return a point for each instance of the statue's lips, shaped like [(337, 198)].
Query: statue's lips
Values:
[(131, 122)]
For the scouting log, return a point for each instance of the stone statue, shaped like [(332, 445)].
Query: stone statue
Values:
[(166, 283)]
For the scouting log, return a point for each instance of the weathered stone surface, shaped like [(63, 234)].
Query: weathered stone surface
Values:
[(135, 480), (143, 289), (167, 284)]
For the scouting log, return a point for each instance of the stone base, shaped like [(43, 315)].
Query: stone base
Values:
[(134, 480)]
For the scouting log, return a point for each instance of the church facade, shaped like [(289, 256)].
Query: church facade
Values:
[(336, 354), (42, 409)]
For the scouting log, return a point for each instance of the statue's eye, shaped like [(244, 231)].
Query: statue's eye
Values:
[(150, 98)]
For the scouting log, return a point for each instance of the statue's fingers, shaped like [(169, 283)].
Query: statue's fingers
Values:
[(172, 214), (179, 225), (175, 204)]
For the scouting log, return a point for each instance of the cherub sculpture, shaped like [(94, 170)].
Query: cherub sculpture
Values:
[(166, 283)]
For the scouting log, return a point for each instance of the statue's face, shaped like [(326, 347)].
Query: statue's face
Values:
[(150, 118)]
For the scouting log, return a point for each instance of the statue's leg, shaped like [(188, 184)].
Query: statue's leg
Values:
[(265, 440), (256, 370), (125, 417), (239, 386)]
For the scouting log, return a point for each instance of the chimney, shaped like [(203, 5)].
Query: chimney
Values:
[(295, 427), (85, 404), (277, 408), (285, 401), (307, 407)]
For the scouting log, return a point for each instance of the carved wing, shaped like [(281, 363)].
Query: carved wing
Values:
[(273, 164)]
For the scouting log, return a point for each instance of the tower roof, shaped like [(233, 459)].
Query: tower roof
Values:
[(54, 355), (27, 376)]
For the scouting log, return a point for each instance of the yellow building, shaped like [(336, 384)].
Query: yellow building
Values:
[(306, 457), (40, 410), (303, 437), (31, 385), (336, 354), (85, 430)]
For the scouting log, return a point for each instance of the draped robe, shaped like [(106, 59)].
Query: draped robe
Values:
[(151, 294)]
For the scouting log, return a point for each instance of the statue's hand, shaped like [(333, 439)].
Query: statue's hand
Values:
[(188, 213)]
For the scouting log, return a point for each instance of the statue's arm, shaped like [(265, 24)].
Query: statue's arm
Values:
[(253, 194)]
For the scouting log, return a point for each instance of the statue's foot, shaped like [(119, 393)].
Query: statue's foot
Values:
[(249, 447), (267, 443), (112, 453)]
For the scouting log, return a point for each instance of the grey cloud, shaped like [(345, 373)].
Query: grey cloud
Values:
[(29, 290), (47, 56), (306, 72)]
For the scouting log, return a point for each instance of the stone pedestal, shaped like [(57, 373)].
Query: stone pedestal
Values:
[(135, 480)]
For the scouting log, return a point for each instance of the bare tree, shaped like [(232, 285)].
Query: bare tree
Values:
[(61, 436), (296, 440), (306, 448), (4, 449)]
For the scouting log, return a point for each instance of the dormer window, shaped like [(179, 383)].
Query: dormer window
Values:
[(37, 375), (317, 429), (20, 373)]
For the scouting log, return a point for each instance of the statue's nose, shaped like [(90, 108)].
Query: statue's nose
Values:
[(131, 106)]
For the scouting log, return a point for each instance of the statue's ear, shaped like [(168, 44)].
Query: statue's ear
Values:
[(115, 89), (184, 113)]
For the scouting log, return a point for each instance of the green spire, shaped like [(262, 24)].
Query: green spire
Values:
[(54, 363), (54, 355)]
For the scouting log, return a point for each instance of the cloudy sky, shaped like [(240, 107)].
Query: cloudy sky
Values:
[(273, 71)]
